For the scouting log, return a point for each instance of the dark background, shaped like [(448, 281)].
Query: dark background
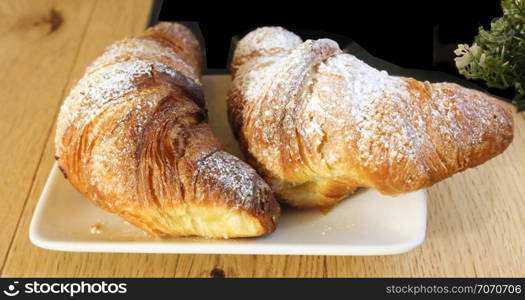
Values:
[(419, 35)]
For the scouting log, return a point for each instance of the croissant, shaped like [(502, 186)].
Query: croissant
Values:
[(132, 137), (317, 123)]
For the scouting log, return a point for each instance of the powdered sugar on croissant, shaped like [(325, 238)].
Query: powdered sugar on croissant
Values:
[(132, 137), (317, 123)]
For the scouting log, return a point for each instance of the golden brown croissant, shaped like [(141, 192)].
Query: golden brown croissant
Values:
[(317, 123), (132, 137)]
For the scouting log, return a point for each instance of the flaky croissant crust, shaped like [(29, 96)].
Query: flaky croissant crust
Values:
[(132, 137), (317, 123)]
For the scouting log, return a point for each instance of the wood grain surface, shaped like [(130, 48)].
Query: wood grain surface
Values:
[(476, 224)]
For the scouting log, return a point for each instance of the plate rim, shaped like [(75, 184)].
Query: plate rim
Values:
[(222, 247)]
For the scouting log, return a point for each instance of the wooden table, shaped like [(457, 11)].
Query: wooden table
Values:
[(476, 224)]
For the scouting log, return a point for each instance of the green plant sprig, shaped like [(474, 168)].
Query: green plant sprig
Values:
[(497, 55)]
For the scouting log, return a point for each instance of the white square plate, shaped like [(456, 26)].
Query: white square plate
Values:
[(366, 223)]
